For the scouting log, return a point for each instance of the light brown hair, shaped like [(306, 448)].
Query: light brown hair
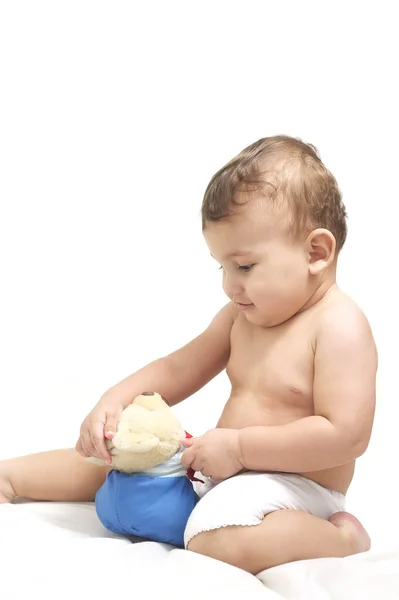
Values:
[(291, 175)]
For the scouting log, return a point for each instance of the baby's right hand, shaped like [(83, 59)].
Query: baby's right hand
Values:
[(99, 425)]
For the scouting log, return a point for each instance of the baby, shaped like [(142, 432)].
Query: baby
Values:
[(302, 364)]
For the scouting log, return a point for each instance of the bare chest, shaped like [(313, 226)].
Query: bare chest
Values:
[(274, 366)]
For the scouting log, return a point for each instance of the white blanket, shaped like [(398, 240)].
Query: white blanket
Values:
[(61, 551)]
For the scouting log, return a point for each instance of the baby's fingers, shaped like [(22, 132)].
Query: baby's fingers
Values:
[(111, 423), (79, 447), (188, 457), (187, 442), (84, 445), (97, 442)]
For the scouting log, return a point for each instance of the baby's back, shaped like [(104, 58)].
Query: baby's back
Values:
[(272, 376)]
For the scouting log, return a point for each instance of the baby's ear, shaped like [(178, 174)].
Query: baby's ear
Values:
[(321, 248)]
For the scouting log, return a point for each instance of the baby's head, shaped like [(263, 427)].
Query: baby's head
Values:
[(273, 218)]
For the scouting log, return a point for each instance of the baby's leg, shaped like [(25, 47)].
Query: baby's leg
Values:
[(283, 536), (58, 475)]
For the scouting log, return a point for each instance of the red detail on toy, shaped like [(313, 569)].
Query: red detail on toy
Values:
[(190, 471)]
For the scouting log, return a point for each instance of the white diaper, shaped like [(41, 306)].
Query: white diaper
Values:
[(246, 498)]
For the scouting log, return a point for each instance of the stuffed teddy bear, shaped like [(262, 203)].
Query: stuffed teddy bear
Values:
[(148, 493)]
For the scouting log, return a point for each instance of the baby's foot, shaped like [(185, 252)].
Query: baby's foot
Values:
[(353, 530), (6, 490)]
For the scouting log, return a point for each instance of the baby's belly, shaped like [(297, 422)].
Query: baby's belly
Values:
[(247, 411)]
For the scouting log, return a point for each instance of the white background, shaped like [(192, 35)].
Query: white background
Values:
[(114, 116)]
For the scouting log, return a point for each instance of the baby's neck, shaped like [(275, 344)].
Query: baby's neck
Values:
[(327, 286)]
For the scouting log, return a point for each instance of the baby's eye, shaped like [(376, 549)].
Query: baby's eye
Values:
[(245, 268)]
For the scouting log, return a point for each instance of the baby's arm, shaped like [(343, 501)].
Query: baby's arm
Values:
[(175, 377), (344, 403), (195, 364), (185, 371)]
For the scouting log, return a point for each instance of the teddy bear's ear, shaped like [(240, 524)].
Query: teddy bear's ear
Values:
[(150, 401)]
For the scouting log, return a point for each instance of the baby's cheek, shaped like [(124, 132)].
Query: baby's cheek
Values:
[(260, 295)]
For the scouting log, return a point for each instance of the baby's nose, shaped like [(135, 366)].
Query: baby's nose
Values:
[(232, 287)]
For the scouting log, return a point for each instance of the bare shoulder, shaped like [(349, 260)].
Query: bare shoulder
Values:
[(228, 312), (342, 323), (217, 337), (204, 357), (217, 333), (345, 368)]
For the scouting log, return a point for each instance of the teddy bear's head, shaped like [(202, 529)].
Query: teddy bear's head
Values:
[(148, 433)]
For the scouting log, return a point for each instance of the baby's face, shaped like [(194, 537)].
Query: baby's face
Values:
[(265, 272)]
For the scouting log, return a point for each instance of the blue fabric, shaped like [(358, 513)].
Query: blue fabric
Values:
[(155, 508)]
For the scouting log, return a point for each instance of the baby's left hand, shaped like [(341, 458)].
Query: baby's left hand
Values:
[(215, 454)]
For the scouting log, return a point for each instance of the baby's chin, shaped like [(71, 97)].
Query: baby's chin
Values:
[(264, 319)]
